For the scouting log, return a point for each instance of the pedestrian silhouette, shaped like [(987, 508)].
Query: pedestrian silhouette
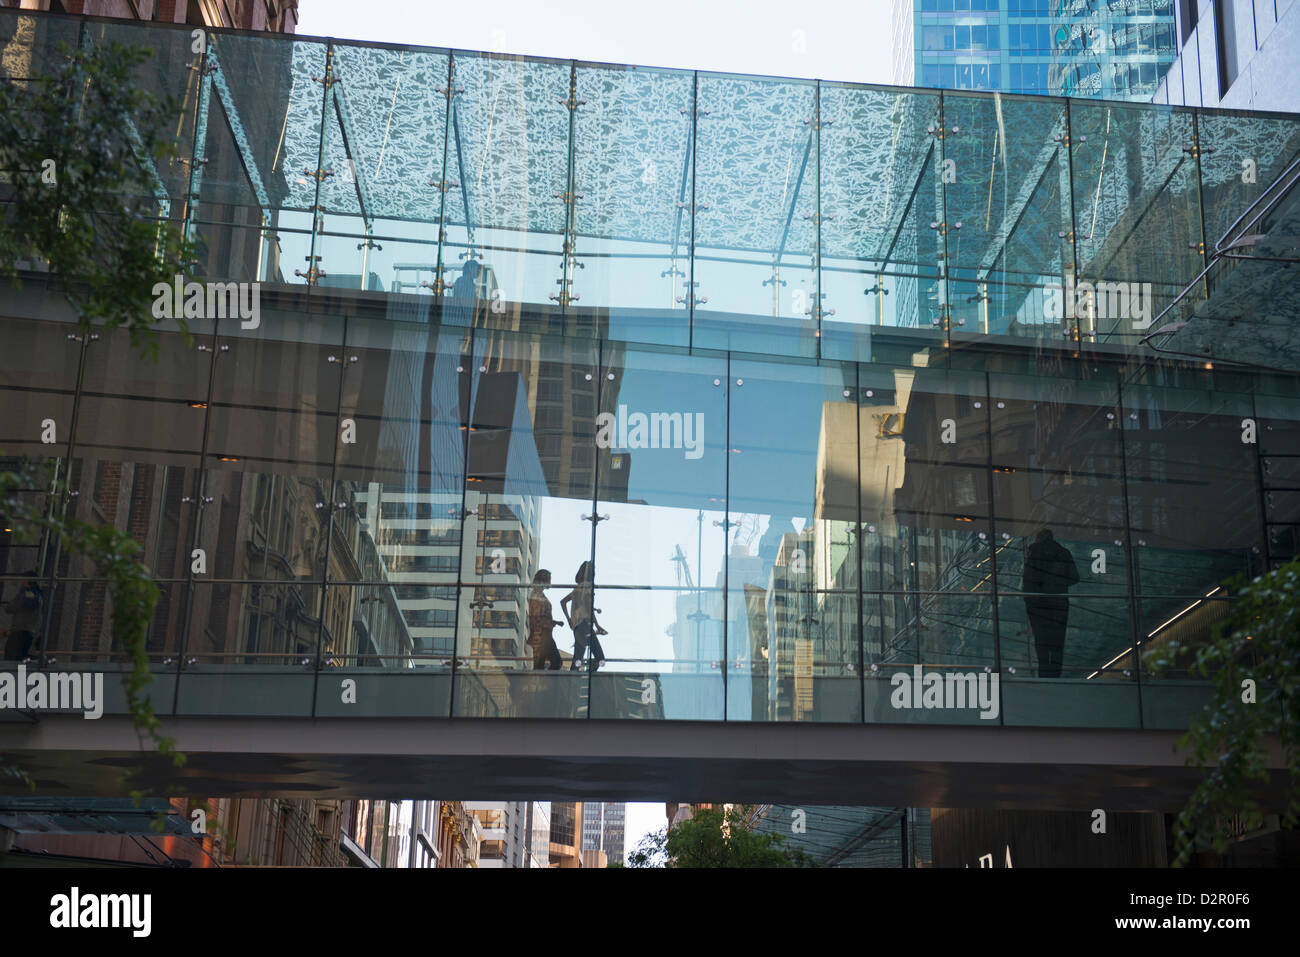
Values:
[(1049, 573), (25, 621), (546, 656), (464, 296), (578, 610)]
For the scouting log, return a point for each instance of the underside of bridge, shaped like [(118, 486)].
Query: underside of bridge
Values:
[(898, 766)]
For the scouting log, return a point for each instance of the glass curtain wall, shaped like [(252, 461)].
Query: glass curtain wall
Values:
[(588, 391)]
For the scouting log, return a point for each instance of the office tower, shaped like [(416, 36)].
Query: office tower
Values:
[(503, 830), (1111, 49), (566, 833), (602, 828), (1235, 53)]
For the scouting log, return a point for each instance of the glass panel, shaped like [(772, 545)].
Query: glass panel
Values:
[(660, 536), (681, 677), (255, 192), (1189, 620), (911, 637), (1194, 499), (383, 188), (27, 552), (924, 480), (755, 201), (1066, 636), (1068, 661), (1058, 469), (29, 44), (529, 482), (880, 167), (76, 625), (508, 152), (272, 428), (1241, 156), (257, 625), (632, 159), (801, 663), (1137, 215), (792, 476), (38, 376), (168, 76), (1006, 201), (140, 429)]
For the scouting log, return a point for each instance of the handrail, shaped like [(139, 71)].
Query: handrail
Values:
[(1228, 242)]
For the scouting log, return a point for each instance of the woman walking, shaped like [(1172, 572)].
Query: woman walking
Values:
[(578, 611), (546, 656)]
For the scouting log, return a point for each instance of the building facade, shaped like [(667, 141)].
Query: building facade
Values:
[(602, 828), (1238, 54)]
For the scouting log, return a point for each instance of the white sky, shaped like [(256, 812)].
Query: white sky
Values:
[(814, 39), (817, 39)]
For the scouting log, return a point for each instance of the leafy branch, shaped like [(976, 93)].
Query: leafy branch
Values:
[(116, 556), (1253, 660), (80, 147)]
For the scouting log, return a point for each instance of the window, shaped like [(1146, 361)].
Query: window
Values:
[(1226, 47), (431, 617)]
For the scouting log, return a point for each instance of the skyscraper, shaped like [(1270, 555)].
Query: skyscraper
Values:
[(1111, 49), (602, 828)]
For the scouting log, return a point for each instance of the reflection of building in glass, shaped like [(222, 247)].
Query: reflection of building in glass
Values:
[(1063, 47)]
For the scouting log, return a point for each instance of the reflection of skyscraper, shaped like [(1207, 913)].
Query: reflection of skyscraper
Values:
[(427, 542), (1072, 48)]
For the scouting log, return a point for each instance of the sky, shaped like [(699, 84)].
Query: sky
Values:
[(813, 39)]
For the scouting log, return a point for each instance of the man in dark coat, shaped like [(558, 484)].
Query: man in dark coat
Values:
[(1049, 573)]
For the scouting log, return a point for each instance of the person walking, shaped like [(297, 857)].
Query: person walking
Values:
[(1049, 573), (578, 611), (25, 623), (546, 656)]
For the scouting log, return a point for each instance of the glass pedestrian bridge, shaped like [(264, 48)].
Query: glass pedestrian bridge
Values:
[(801, 371)]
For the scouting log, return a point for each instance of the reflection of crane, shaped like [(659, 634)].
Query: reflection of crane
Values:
[(683, 569), (746, 531)]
